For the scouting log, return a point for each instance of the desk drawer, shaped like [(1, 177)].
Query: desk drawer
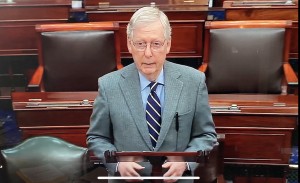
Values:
[(259, 146)]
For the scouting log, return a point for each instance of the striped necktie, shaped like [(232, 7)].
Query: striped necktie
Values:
[(153, 114)]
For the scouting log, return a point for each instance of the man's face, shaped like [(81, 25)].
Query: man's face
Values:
[(149, 61)]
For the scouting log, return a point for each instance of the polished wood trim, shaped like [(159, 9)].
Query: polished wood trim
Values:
[(248, 24), (36, 78), (77, 26), (291, 76), (258, 4), (31, 12), (203, 67), (53, 96), (253, 99), (126, 3)]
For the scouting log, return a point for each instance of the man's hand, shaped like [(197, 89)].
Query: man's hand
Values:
[(176, 167), (129, 169)]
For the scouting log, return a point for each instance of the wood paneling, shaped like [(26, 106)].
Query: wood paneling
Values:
[(18, 20), (256, 125), (258, 128), (187, 28)]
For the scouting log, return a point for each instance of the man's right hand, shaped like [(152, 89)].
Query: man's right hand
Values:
[(129, 169)]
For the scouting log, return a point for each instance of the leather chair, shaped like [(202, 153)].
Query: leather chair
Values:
[(248, 57), (43, 157), (72, 56)]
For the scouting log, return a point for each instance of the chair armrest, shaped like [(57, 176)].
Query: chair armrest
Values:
[(203, 67), (35, 81), (290, 77), (119, 65), (290, 74)]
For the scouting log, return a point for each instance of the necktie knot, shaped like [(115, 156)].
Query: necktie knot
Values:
[(153, 86)]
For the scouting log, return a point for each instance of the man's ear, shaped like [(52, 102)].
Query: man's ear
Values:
[(168, 46), (129, 46)]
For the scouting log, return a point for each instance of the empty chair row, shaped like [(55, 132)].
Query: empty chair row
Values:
[(239, 56)]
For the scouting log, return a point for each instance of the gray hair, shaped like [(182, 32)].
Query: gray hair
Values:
[(147, 15)]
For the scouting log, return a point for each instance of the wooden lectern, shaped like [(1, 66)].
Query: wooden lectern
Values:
[(209, 169)]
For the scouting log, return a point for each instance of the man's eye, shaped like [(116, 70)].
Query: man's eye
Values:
[(156, 43), (140, 44)]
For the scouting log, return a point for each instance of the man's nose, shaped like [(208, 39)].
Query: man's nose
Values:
[(148, 51)]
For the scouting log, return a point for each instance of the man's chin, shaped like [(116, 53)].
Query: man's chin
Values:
[(148, 70)]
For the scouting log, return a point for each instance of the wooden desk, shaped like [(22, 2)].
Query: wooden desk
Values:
[(240, 10), (69, 123), (262, 122), (258, 129)]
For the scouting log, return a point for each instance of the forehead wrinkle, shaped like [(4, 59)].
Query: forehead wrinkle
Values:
[(151, 30)]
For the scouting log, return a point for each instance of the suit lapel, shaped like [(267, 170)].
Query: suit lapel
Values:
[(173, 88), (130, 86)]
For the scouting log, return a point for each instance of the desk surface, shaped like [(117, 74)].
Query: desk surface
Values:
[(247, 103), (262, 122)]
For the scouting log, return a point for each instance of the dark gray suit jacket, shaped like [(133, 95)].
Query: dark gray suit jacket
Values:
[(118, 120)]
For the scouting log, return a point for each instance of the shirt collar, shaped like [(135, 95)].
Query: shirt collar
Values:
[(145, 82)]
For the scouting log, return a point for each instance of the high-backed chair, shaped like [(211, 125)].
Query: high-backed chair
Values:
[(72, 56), (43, 159), (248, 57)]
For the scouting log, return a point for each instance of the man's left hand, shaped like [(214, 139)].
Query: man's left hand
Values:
[(175, 169)]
